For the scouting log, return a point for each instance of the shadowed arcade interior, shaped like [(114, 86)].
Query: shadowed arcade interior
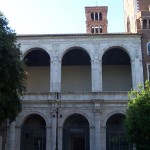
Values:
[(76, 71), (38, 71), (116, 70)]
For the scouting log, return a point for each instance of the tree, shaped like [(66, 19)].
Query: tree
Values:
[(138, 117), (11, 73)]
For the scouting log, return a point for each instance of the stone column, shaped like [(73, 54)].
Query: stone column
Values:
[(147, 23), (55, 71), (137, 70), (11, 143), (18, 137), (96, 75), (141, 22), (60, 139), (55, 85), (92, 141), (48, 138), (97, 129), (53, 135), (103, 137)]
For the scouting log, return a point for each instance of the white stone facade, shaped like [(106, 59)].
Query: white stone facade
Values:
[(96, 105)]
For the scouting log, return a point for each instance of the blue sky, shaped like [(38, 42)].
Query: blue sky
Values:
[(57, 16)]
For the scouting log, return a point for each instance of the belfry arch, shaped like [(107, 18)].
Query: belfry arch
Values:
[(76, 71), (37, 70), (116, 70), (76, 133)]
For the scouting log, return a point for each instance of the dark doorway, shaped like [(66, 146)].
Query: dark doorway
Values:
[(33, 133), (116, 138), (76, 133)]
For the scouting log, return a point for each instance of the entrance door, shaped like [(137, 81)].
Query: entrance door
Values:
[(79, 142), (76, 133)]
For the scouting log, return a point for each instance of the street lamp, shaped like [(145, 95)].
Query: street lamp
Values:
[(57, 105)]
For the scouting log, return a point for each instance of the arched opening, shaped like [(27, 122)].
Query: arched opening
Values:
[(116, 69), (96, 28), (92, 29), (100, 28), (76, 71), (96, 16), (38, 71), (116, 138), (33, 133), (92, 16), (100, 16), (76, 133), (144, 24)]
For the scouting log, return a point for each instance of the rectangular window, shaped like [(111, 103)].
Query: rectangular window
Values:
[(148, 72)]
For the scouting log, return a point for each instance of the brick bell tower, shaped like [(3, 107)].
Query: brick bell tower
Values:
[(96, 19)]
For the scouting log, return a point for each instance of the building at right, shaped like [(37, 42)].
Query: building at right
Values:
[(137, 20)]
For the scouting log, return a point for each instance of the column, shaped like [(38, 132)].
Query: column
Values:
[(96, 68), (18, 137), (11, 143), (97, 129), (92, 141), (48, 138), (55, 81), (60, 137), (53, 135), (103, 137), (141, 22), (147, 23), (137, 72)]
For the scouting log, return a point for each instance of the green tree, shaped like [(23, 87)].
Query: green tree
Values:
[(138, 117), (11, 73)]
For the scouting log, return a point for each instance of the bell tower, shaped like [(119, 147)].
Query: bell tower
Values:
[(96, 19)]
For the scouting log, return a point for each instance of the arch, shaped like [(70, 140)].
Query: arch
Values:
[(31, 48), (33, 133), (111, 114), (67, 115), (76, 70), (76, 133), (124, 48), (67, 49), (23, 117)]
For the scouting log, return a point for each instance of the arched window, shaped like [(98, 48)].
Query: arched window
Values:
[(92, 29), (96, 16), (100, 16), (96, 29), (148, 48), (100, 29), (92, 16), (144, 24)]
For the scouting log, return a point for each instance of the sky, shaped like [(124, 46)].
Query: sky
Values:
[(58, 16)]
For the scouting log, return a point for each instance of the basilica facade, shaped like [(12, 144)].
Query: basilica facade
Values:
[(77, 87)]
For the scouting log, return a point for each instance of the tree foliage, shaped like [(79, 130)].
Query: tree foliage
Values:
[(11, 72), (138, 117)]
